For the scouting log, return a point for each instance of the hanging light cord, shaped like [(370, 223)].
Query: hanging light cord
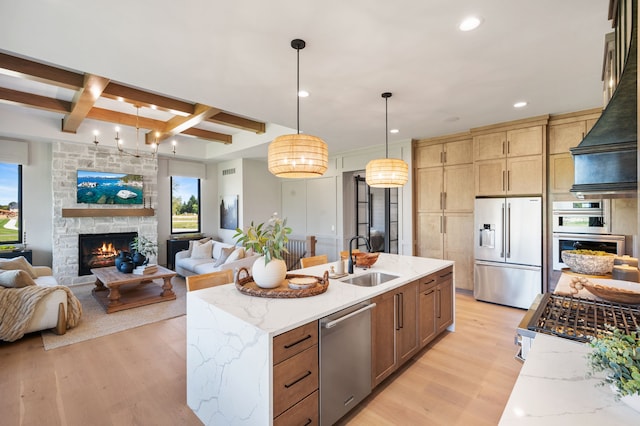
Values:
[(386, 127), (298, 90)]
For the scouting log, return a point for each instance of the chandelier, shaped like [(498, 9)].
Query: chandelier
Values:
[(137, 153), (386, 172), (298, 155)]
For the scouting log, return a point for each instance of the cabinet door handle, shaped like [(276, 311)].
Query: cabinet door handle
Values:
[(444, 224), (445, 156), (304, 376), (503, 173), (503, 151), (308, 422), (441, 218), (396, 298), (401, 302), (508, 146), (290, 345), (438, 296), (442, 156), (508, 180), (441, 205), (444, 201)]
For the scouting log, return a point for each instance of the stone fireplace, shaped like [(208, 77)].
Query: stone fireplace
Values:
[(67, 158), (100, 250)]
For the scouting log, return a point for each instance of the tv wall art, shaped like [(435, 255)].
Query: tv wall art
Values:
[(109, 188)]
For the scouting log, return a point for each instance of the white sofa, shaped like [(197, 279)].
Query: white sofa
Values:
[(48, 312), (49, 309), (187, 265)]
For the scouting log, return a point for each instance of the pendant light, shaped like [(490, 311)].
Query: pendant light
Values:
[(387, 172), (298, 155)]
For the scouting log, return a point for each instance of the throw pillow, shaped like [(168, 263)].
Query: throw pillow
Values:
[(16, 278), (20, 263), (201, 251), (224, 254), (192, 242), (238, 253)]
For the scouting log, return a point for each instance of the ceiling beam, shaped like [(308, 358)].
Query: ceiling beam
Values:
[(123, 119), (83, 101), (29, 70), (15, 97), (226, 119), (139, 97), (178, 124), (208, 135)]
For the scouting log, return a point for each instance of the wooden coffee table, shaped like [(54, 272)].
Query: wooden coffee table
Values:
[(117, 291)]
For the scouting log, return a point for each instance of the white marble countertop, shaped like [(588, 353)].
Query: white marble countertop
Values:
[(553, 389), (276, 316)]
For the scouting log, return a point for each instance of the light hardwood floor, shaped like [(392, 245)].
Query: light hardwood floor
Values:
[(137, 377)]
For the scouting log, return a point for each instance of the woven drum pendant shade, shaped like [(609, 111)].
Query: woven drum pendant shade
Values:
[(298, 156), (387, 173)]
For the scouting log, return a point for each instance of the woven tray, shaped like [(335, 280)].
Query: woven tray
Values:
[(247, 286)]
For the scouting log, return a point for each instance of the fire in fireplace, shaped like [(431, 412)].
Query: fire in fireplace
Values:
[(100, 250)]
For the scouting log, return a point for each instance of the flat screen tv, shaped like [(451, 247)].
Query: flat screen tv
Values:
[(109, 188)]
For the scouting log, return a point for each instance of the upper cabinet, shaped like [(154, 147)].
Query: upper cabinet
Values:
[(509, 158), (565, 132)]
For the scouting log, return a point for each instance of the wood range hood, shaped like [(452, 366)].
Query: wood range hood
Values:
[(606, 159)]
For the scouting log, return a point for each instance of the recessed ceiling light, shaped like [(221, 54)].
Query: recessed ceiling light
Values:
[(303, 94), (470, 23), (520, 104), (394, 131)]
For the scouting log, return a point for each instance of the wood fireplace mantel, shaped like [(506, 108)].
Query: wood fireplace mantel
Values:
[(107, 212)]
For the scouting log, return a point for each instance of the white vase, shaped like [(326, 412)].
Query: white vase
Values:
[(270, 275)]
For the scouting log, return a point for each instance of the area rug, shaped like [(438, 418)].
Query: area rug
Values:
[(95, 322)]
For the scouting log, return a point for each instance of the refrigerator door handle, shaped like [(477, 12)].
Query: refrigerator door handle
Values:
[(508, 231), (503, 235)]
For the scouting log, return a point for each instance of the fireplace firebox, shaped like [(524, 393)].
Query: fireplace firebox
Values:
[(100, 250)]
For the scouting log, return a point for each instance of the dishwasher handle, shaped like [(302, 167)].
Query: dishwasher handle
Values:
[(333, 323)]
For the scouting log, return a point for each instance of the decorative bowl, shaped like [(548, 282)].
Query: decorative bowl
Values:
[(616, 291), (365, 260), (589, 262)]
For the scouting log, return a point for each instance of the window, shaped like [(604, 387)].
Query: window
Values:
[(10, 203), (185, 205)]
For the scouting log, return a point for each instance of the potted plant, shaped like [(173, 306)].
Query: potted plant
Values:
[(269, 241), (618, 354), (143, 248)]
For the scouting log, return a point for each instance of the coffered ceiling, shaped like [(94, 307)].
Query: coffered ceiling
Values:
[(220, 77)]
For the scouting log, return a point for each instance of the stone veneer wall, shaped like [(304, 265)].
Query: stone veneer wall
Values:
[(67, 158)]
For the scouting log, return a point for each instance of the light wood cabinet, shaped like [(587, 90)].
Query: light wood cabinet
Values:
[(436, 304), (509, 162), (394, 330), (445, 194), (565, 132), (296, 376), (510, 143)]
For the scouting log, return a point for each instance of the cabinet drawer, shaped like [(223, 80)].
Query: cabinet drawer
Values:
[(304, 413), (427, 282), (295, 341), (294, 379)]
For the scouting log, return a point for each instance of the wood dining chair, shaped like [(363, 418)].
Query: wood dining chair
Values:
[(212, 279), (305, 262)]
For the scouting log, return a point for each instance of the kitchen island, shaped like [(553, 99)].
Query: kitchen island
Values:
[(554, 388), (230, 337)]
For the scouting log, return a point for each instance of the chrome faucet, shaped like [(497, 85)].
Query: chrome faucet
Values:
[(350, 264)]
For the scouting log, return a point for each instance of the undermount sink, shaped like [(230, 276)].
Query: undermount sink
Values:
[(370, 279)]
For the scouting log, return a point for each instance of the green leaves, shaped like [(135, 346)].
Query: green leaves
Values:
[(617, 354), (269, 240)]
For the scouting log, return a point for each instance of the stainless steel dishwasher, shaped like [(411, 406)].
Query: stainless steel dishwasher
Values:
[(345, 361)]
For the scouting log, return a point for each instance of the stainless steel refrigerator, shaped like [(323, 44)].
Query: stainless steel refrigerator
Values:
[(508, 250)]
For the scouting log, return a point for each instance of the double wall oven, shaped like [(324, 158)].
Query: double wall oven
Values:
[(583, 225)]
